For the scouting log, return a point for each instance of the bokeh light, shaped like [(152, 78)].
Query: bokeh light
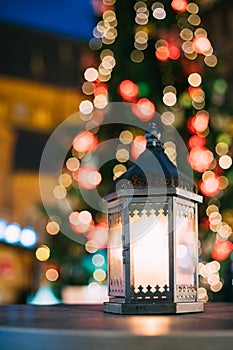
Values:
[(12, 233), (222, 249), (138, 146), (126, 137), (52, 228), (144, 109), (128, 90), (99, 275), (85, 141), (43, 253), (28, 237), (179, 5), (86, 107), (52, 274), (88, 177), (72, 164), (225, 162), (91, 74)]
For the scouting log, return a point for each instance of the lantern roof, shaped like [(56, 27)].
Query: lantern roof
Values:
[(153, 168)]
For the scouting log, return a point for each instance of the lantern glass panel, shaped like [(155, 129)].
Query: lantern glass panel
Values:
[(149, 254), (186, 257), (116, 279)]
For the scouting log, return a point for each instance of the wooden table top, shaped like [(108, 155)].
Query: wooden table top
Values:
[(87, 327)]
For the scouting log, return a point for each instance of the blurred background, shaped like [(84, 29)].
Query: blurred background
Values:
[(58, 58)]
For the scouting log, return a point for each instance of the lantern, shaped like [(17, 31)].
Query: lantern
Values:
[(153, 237)]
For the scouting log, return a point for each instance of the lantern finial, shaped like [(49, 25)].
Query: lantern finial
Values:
[(153, 136)]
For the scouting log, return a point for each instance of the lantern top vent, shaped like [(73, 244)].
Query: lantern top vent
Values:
[(153, 168)]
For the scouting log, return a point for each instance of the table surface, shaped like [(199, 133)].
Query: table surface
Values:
[(86, 327)]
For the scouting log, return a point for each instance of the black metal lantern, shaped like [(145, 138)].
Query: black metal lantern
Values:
[(153, 237)]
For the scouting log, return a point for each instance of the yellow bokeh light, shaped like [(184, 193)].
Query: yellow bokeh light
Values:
[(72, 164), (187, 47), (194, 20), (211, 61), (186, 34), (212, 209), (122, 155), (88, 88), (141, 18), (51, 275), (59, 192), (224, 230), (65, 180), (119, 168), (43, 253), (137, 56), (91, 246), (169, 99), (192, 8), (216, 287), (167, 118), (200, 32), (52, 228), (223, 182), (126, 137), (213, 267), (202, 293), (215, 218), (225, 162), (109, 16), (194, 79), (99, 275), (100, 101), (221, 148)]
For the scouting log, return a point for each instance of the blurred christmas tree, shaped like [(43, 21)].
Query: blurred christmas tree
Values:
[(157, 56)]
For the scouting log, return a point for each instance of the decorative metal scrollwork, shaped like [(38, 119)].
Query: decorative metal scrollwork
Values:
[(148, 295)]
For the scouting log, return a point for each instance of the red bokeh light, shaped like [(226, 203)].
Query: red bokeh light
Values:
[(222, 250), (144, 109), (201, 44), (85, 141), (200, 122), (128, 90), (179, 5), (88, 177), (99, 235), (138, 146), (196, 141), (210, 186), (162, 53), (101, 90), (174, 52), (200, 158)]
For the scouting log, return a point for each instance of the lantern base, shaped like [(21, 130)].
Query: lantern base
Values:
[(118, 307)]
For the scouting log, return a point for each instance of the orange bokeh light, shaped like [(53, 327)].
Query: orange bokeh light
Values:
[(144, 109), (85, 141), (179, 5), (162, 53), (128, 90)]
